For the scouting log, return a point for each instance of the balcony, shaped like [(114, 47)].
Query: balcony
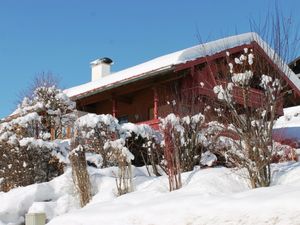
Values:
[(256, 96)]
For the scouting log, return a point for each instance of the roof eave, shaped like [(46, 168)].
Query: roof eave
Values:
[(123, 82)]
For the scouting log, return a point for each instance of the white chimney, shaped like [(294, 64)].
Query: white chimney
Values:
[(100, 68)]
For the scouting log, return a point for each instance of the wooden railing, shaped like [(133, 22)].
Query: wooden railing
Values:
[(256, 97)]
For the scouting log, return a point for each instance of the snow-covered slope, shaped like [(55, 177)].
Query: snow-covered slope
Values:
[(291, 118), (288, 125), (209, 196)]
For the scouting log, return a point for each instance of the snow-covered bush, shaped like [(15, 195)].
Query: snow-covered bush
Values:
[(24, 159), (144, 143), (26, 153), (54, 108), (182, 147), (186, 133), (94, 131), (57, 109), (102, 135), (119, 146)]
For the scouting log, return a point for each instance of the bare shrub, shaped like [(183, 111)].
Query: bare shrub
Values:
[(41, 79), (124, 179), (123, 158), (80, 175), (253, 150), (171, 156), (252, 99)]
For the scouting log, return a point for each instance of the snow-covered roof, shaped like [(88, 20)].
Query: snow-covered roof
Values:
[(167, 62)]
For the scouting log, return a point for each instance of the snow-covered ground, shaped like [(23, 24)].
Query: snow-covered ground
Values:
[(56, 197), (209, 196), (291, 118), (288, 125)]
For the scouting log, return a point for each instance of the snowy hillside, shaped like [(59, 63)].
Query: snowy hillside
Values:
[(209, 196)]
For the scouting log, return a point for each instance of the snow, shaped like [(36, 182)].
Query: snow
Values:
[(25, 120), (290, 118), (209, 196), (242, 79), (173, 120), (223, 94), (265, 81), (166, 62), (91, 120), (238, 61), (37, 143), (119, 145), (62, 150), (27, 108), (250, 59), (208, 158), (144, 130), (54, 198), (96, 159), (230, 67)]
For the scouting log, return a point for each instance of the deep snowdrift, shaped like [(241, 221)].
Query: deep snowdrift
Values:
[(209, 196), (56, 197)]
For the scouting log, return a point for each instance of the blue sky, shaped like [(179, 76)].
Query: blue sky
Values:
[(64, 36)]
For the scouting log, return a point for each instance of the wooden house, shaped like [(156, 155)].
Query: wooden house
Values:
[(145, 92)]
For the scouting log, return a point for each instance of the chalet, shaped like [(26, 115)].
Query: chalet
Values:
[(145, 92)]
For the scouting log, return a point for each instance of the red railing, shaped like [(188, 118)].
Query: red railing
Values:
[(256, 97)]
